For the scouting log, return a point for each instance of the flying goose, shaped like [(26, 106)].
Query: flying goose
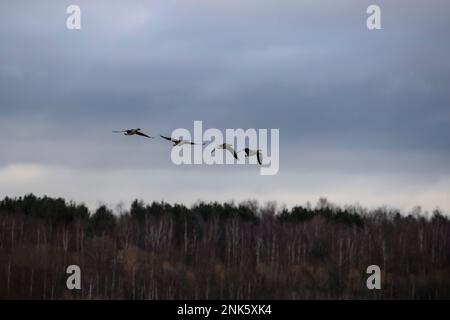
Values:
[(177, 142), (249, 153), (226, 146), (131, 132)]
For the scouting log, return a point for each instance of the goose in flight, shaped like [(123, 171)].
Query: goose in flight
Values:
[(177, 142), (250, 153), (226, 146), (131, 132)]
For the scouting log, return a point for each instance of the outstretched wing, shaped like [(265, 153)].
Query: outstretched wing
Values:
[(143, 134), (259, 157), (120, 131), (175, 141), (182, 142), (167, 138), (232, 151)]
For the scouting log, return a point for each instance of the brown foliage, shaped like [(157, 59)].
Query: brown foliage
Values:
[(187, 256)]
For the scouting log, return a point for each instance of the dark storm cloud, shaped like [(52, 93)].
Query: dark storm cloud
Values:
[(311, 77)]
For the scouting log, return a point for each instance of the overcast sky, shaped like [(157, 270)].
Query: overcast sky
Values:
[(364, 116)]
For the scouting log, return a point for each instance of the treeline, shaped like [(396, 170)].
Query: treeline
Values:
[(220, 251)]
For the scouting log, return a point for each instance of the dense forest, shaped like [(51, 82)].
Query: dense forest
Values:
[(220, 251)]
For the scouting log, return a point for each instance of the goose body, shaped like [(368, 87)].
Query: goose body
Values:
[(228, 147), (177, 142), (249, 153), (131, 132)]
